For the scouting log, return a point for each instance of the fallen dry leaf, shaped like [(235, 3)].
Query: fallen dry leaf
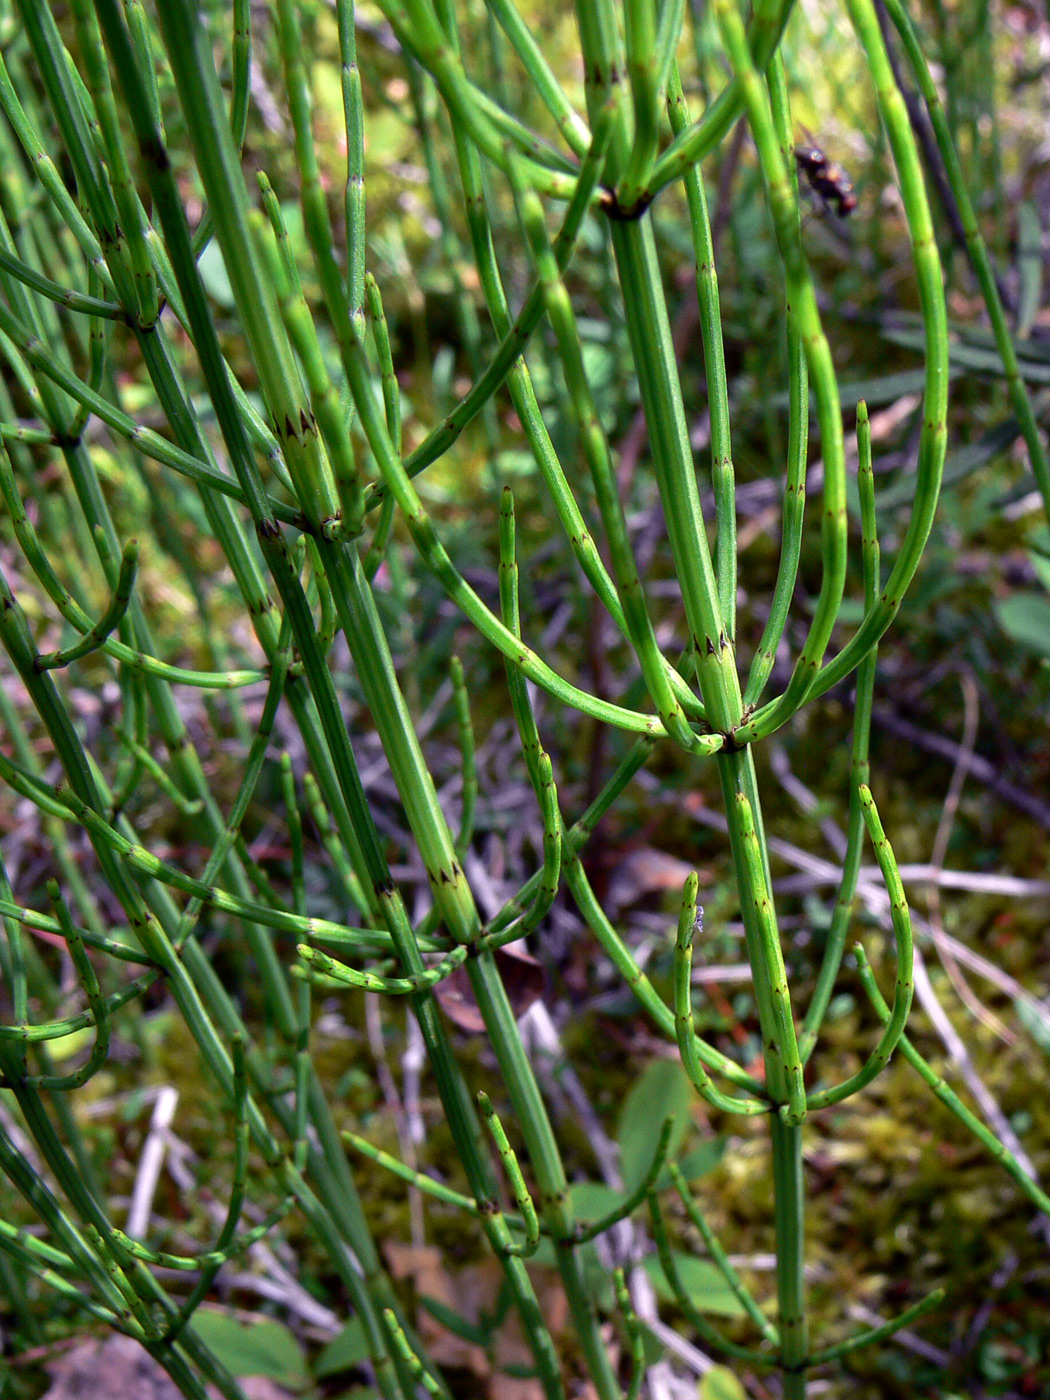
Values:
[(432, 1279), (470, 1291), (114, 1369), (262, 1388), (117, 1368), (645, 870), (523, 978)]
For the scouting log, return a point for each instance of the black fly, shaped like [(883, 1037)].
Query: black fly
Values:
[(826, 178)]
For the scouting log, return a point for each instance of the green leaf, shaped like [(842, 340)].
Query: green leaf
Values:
[(458, 1325), (957, 465), (886, 388), (66, 1046), (214, 275), (1033, 1022), (663, 1088), (851, 611), (697, 1164), (343, 1352), (703, 1282), (1041, 564), (1026, 618), (721, 1384), (265, 1348), (592, 1199), (597, 1279), (654, 1347), (545, 1256), (1029, 267), (292, 215)]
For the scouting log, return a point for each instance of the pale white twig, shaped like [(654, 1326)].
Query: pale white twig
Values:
[(806, 798), (151, 1163), (282, 1288), (974, 881), (971, 717), (725, 972), (102, 1108), (482, 885), (628, 1237), (953, 1043), (876, 900), (542, 1039), (276, 1281), (904, 1338), (659, 1377), (20, 1139), (697, 1361), (413, 1062), (392, 1099)]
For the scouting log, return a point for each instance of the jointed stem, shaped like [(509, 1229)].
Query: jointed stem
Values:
[(976, 248), (292, 491)]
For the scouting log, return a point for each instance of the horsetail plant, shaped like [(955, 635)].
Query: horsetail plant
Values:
[(287, 444)]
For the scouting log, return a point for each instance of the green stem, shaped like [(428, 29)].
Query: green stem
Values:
[(803, 312), (720, 1257), (977, 249), (905, 986), (949, 1097), (789, 1208), (859, 767)]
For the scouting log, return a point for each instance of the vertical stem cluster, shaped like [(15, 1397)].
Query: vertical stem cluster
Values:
[(306, 493)]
